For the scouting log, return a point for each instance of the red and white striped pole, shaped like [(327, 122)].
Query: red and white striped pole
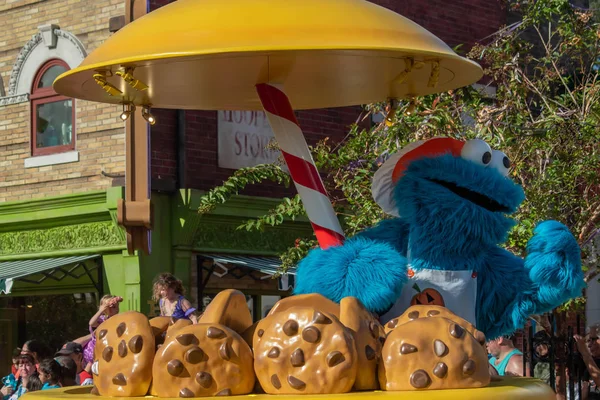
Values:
[(302, 168)]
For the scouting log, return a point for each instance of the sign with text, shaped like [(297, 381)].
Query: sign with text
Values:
[(243, 139)]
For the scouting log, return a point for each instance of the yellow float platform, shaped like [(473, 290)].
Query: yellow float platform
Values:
[(504, 388)]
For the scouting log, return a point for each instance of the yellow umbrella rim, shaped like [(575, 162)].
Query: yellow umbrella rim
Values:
[(393, 52)]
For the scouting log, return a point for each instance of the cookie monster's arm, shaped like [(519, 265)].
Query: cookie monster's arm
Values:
[(511, 289), (554, 265), (371, 270)]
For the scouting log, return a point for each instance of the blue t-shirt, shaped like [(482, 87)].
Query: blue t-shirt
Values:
[(501, 368), (47, 386)]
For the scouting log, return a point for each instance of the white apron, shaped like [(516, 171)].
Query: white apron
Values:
[(456, 290)]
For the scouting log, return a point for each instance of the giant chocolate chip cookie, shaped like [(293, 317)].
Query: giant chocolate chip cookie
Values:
[(304, 351), (369, 337), (228, 308), (432, 353), (425, 311), (125, 351), (203, 360)]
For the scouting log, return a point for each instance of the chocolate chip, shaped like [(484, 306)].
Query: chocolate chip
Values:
[(374, 328), (102, 333), (175, 367), (440, 348), (275, 381), (107, 353), (225, 351), (122, 349), (185, 392), (297, 358), (290, 328), (319, 318), (393, 323), (204, 379), (469, 367), (260, 332), (370, 353), (408, 348), (121, 329), (119, 380), (136, 343), (382, 340), (419, 379), (440, 370), (296, 383), (215, 333), (274, 352), (311, 334), (224, 392), (413, 315), (456, 331), (334, 358), (194, 356), (185, 339), (432, 313)]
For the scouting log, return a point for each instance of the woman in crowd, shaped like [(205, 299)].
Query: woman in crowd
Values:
[(36, 349), (28, 379)]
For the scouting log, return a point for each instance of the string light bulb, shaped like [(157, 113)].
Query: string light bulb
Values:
[(128, 109), (390, 118), (100, 79), (147, 115), (127, 75)]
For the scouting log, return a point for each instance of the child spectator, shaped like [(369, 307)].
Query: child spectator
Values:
[(109, 306), (14, 369), (169, 292), (50, 374)]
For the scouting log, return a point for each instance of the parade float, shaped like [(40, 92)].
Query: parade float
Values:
[(280, 56)]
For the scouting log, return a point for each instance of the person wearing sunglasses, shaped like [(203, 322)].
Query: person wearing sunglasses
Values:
[(589, 348)]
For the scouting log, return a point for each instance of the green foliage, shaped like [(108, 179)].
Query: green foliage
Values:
[(54, 320), (239, 180), (544, 116)]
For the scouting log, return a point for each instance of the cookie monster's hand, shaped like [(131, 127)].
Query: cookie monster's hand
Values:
[(554, 265), (370, 270)]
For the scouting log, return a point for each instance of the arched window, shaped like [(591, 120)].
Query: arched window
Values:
[(53, 115)]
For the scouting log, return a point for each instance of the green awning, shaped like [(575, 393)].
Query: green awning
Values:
[(266, 265), (47, 268)]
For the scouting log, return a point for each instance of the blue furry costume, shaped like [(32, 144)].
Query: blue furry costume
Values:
[(453, 208)]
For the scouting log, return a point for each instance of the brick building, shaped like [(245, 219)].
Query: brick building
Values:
[(57, 236), (62, 163)]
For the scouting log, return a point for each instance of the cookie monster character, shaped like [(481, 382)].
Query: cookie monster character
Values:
[(452, 200)]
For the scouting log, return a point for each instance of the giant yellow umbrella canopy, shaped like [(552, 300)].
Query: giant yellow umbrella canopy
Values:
[(210, 54)]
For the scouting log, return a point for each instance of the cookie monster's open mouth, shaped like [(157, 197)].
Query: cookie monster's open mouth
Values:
[(474, 197)]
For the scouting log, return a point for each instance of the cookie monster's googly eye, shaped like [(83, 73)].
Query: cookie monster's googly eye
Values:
[(477, 151), (501, 162)]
